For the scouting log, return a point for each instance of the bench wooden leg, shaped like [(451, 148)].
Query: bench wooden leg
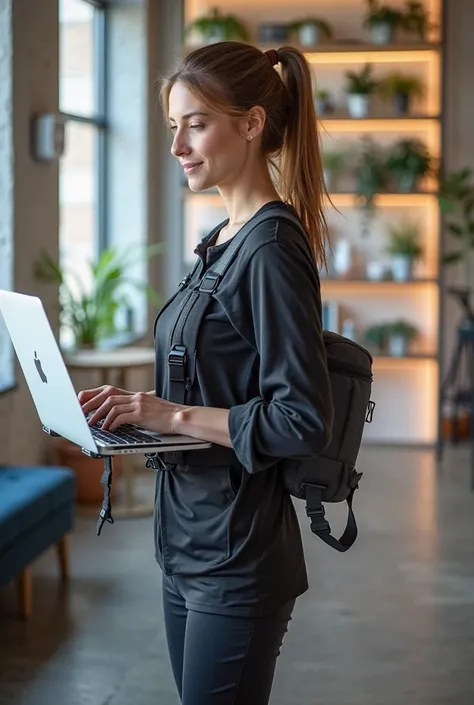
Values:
[(24, 590), (62, 548)]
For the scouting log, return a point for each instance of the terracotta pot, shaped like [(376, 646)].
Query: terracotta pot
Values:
[(88, 472)]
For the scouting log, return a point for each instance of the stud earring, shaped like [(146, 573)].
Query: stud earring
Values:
[(250, 138)]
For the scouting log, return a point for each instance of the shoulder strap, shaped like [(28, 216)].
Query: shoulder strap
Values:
[(181, 357), (212, 277)]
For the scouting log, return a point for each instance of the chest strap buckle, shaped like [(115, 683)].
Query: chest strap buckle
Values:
[(177, 363)]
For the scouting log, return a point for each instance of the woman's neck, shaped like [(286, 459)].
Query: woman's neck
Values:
[(244, 198)]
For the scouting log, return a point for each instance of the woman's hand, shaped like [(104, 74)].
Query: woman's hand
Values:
[(91, 399), (117, 406)]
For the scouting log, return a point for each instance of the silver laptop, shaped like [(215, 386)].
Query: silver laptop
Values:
[(53, 393)]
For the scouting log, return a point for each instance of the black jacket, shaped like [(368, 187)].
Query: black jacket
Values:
[(229, 534)]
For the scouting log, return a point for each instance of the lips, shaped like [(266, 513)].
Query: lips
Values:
[(191, 168)]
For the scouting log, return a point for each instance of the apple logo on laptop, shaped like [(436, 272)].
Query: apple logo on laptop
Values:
[(40, 369)]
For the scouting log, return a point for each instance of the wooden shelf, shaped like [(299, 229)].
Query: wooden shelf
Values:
[(376, 282), (407, 358), (387, 123), (345, 117), (372, 53), (344, 48)]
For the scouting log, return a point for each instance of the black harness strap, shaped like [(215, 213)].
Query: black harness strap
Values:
[(105, 513), (181, 357)]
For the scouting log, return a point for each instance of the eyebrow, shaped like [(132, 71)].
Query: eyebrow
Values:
[(193, 113)]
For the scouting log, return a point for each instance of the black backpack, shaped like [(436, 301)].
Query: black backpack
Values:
[(331, 476)]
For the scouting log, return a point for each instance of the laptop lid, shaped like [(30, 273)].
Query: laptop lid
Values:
[(43, 366)]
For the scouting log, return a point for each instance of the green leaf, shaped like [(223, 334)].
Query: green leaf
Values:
[(455, 229), (446, 204), (451, 257)]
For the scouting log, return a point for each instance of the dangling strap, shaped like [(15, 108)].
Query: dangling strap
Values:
[(319, 523), (106, 480)]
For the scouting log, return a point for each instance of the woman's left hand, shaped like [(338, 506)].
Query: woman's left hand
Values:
[(149, 412)]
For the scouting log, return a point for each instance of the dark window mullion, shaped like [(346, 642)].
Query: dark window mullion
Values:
[(100, 77)]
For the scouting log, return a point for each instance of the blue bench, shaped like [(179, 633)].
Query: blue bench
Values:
[(37, 507)]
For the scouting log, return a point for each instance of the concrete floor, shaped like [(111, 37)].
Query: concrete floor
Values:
[(390, 622)]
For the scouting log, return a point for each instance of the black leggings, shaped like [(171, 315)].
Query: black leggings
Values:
[(222, 660)]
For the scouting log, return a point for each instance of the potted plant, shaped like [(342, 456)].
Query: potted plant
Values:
[(399, 336), (216, 27), (371, 178), (404, 248), (456, 200), (324, 103), (90, 313), (401, 88), (375, 337), (360, 86), (415, 20), (382, 20), (333, 163), (409, 160), (311, 31)]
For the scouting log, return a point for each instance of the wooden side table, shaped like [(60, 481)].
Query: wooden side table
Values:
[(116, 364)]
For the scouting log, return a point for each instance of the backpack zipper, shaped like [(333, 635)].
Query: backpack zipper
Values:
[(347, 368)]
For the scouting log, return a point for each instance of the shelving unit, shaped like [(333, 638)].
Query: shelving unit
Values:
[(405, 388)]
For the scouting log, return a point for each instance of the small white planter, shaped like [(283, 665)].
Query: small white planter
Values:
[(375, 270), (397, 346), (217, 35), (342, 261), (381, 33), (358, 105), (309, 35), (402, 268)]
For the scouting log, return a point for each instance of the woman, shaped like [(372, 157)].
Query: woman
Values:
[(226, 533)]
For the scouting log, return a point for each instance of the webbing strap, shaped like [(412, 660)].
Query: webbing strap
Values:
[(181, 355), (106, 480), (319, 523)]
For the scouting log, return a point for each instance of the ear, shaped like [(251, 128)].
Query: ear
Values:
[(252, 125)]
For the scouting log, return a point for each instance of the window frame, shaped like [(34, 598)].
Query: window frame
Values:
[(98, 120)]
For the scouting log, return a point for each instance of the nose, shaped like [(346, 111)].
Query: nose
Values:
[(179, 146)]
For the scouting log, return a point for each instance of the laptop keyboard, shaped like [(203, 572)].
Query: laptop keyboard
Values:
[(126, 434)]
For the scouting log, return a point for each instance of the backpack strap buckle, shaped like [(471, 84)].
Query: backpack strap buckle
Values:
[(177, 362), (315, 509), (209, 282)]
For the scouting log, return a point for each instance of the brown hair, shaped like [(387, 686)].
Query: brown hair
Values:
[(233, 77)]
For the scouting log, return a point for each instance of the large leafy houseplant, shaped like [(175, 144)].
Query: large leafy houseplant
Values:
[(217, 27), (456, 200), (90, 312)]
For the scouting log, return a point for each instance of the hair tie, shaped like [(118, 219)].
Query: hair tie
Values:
[(273, 56)]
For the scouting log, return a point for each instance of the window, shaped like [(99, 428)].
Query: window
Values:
[(82, 101), (6, 186)]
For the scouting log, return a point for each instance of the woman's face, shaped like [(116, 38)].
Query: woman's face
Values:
[(208, 144)]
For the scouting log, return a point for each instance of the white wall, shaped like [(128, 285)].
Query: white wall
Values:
[(35, 205)]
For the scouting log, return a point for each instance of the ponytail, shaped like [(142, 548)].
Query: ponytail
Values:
[(301, 181)]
